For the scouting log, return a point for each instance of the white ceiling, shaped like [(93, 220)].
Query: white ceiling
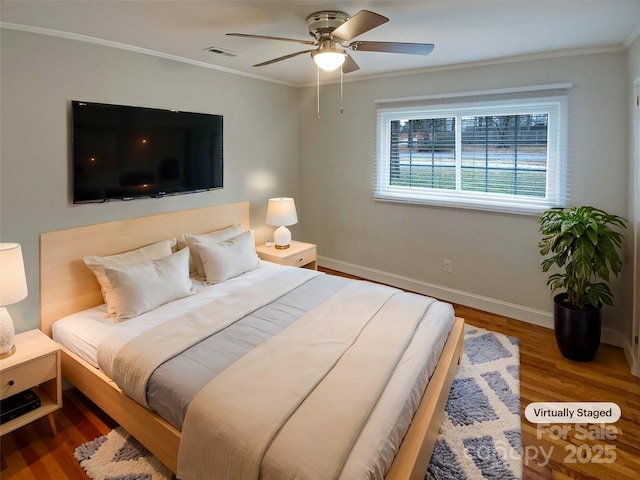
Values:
[(463, 31)]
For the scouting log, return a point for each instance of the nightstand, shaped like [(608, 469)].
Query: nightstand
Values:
[(36, 366), (299, 254)]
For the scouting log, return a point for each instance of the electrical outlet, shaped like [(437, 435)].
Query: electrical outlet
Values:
[(447, 265)]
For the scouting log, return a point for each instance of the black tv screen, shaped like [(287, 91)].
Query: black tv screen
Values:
[(122, 152)]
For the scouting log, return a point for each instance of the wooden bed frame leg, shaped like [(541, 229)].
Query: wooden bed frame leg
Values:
[(52, 424)]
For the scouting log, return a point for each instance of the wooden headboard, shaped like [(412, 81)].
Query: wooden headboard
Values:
[(68, 286)]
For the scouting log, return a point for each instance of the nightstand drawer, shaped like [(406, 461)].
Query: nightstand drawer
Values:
[(299, 254), (301, 258), (27, 375)]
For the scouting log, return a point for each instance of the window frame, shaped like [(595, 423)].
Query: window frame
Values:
[(555, 106)]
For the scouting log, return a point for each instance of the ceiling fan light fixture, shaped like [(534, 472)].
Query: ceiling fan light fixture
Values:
[(332, 31), (329, 59)]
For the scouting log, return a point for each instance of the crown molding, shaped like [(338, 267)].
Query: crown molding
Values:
[(131, 48), (421, 71)]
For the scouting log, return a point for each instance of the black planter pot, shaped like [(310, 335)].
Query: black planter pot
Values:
[(577, 331)]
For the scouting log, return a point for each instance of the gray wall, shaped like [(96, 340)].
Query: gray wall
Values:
[(632, 297), (275, 145), (496, 265), (41, 74)]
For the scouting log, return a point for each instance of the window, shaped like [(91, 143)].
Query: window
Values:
[(503, 155)]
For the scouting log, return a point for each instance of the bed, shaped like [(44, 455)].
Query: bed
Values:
[(69, 288)]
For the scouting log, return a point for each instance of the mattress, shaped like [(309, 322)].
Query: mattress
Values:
[(170, 391)]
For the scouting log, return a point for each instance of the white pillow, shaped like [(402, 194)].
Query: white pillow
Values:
[(140, 287), (212, 237), (224, 260), (143, 254)]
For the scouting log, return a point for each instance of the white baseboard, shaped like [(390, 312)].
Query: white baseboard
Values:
[(492, 305), (613, 337)]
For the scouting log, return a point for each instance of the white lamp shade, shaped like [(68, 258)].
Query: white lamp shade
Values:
[(13, 282), (281, 212)]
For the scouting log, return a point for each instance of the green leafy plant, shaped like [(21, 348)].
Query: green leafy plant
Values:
[(583, 242)]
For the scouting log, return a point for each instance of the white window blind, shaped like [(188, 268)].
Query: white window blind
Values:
[(501, 154)]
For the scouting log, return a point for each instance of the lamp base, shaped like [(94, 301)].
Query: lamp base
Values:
[(7, 348), (9, 353), (282, 238)]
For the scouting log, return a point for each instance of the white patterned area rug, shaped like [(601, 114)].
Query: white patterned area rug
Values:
[(479, 437), (119, 456), (480, 434)]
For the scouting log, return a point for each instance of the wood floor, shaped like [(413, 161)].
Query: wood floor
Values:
[(545, 376)]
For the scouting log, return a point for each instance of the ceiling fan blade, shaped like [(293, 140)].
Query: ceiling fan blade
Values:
[(393, 47), (361, 22), (291, 55), (265, 37), (349, 65)]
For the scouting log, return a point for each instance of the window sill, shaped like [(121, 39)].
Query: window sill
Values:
[(465, 204)]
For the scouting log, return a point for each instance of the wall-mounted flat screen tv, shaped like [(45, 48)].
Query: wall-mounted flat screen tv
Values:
[(122, 152)]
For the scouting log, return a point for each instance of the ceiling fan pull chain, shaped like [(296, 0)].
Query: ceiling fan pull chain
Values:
[(341, 92), (318, 93)]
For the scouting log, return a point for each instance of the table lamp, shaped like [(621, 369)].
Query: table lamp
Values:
[(281, 212), (13, 288)]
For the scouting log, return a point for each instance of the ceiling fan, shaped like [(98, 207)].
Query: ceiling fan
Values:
[(332, 31)]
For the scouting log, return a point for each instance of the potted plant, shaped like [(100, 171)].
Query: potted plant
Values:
[(583, 242)]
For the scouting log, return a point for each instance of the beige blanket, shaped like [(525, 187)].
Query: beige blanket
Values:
[(139, 357), (293, 407)]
